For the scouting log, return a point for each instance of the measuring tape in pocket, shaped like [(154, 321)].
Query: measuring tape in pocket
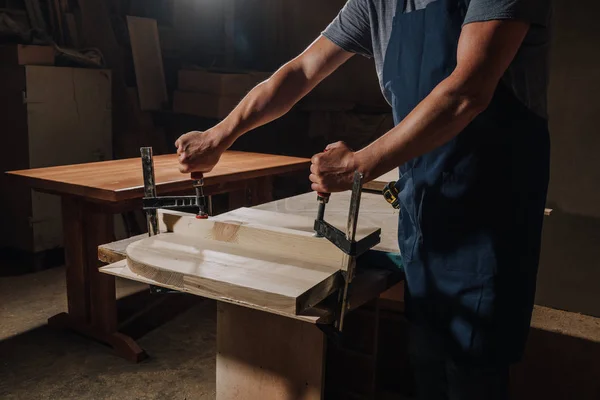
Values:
[(390, 193)]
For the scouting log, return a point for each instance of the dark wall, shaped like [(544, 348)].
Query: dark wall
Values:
[(569, 275)]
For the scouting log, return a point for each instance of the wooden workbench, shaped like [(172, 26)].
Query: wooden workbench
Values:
[(269, 354), (92, 193)]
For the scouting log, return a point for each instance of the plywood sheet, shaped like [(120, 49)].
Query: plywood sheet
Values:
[(147, 59)]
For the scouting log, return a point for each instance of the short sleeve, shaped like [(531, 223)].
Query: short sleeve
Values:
[(351, 29), (535, 12)]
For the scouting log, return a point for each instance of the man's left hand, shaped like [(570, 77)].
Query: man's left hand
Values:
[(333, 170)]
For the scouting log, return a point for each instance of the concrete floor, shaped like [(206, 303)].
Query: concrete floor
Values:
[(561, 362), (40, 363)]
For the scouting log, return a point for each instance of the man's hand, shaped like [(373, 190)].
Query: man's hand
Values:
[(333, 170), (199, 151)]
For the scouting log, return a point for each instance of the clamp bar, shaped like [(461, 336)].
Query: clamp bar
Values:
[(350, 261), (169, 202), (149, 188)]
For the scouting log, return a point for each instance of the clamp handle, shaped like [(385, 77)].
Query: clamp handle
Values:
[(322, 196)]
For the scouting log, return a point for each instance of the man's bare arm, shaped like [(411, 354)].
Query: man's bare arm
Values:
[(485, 50), (277, 95), (199, 152)]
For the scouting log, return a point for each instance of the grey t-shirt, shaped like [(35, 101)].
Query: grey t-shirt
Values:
[(364, 27)]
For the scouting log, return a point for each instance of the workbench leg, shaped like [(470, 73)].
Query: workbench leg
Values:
[(267, 356), (91, 298)]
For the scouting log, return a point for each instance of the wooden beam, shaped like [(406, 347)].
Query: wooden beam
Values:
[(147, 59)]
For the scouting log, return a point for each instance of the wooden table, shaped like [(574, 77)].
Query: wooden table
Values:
[(266, 354), (92, 193)]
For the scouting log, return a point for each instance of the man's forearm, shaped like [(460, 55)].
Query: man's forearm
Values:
[(266, 102), (277, 95), (448, 109), (485, 51)]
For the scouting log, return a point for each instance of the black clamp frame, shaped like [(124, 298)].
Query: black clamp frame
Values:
[(151, 202), (351, 248)]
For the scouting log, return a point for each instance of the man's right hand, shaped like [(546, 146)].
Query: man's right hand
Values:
[(199, 151)]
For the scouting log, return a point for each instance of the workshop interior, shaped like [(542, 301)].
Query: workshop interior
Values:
[(125, 275)]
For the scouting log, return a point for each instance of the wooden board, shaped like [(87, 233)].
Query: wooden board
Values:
[(122, 179), (224, 270), (147, 59), (267, 357), (251, 256), (374, 212), (122, 270), (277, 234)]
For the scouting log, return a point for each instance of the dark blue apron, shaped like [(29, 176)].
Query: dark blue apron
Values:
[(471, 210)]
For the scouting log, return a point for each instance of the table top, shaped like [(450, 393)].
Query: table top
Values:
[(119, 180)]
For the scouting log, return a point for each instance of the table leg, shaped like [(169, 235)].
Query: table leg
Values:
[(261, 190), (267, 356), (91, 299)]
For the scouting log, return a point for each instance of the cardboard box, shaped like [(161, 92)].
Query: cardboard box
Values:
[(220, 83), (204, 104), (18, 54)]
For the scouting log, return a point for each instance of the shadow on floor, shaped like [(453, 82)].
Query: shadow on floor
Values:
[(46, 364), (557, 366)]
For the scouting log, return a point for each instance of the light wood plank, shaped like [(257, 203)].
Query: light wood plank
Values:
[(374, 211), (147, 59), (276, 234), (219, 270), (122, 270)]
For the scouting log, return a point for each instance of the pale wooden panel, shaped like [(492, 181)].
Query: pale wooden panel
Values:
[(277, 234), (147, 59), (374, 212), (267, 357), (120, 269), (226, 270)]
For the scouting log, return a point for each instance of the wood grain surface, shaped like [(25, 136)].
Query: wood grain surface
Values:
[(119, 180), (374, 212), (224, 270), (122, 270)]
